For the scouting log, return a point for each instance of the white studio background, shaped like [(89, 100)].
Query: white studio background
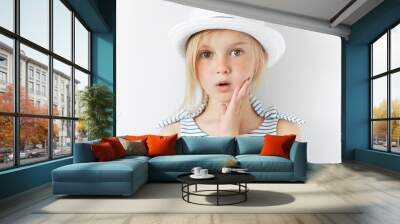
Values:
[(306, 82)]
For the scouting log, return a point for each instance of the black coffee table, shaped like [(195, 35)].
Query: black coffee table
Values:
[(239, 179)]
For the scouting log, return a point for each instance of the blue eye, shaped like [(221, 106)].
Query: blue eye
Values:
[(237, 52)]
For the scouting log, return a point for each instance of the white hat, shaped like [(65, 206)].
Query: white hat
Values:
[(201, 19)]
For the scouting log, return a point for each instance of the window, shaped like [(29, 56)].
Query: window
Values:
[(6, 72), (37, 75), (35, 21), (62, 75), (62, 137), (43, 90), (30, 72), (3, 72), (30, 87), (81, 45), (62, 29), (3, 61), (81, 81), (385, 91), (3, 78), (54, 126), (38, 89), (6, 142), (7, 14)]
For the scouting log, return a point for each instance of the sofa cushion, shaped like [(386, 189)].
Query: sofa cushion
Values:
[(83, 152), (134, 147), (103, 151), (195, 145), (131, 158), (277, 145), (116, 145), (185, 163), (159, 145), (257, 163), (111, 171), (249, 144)]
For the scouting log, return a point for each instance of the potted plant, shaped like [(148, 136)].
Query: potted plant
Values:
[(96, 102)]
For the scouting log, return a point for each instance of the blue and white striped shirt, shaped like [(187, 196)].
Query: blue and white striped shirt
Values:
[(188, 126)]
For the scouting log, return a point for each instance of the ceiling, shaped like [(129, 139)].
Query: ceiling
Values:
[(327, 16)]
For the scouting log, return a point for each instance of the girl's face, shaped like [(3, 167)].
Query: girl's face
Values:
[(224, 60)]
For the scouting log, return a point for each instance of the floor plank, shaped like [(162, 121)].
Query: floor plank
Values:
[(377, 189)]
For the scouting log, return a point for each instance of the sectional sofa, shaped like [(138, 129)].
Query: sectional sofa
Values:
[(126, 175)]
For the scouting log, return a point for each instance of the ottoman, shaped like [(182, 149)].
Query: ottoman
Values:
[(117, 177)]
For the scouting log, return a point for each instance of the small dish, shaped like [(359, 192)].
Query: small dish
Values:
[(208, 176)]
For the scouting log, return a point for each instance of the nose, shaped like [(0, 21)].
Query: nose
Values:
[(222, 66)]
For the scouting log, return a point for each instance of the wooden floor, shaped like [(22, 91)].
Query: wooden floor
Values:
[(378, 188)]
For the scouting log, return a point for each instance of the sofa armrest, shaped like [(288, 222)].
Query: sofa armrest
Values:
[(298, 155), (83, 152)]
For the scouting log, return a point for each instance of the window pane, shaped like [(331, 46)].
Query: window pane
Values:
[(81, 81), (379, 135), (81, 45), (35, 21), (7, 14), (395, 136), (395, 47), (395, 94), (33, 139), (379, 55), (34, 97), (62, 89), (6, 142), (379, 100), (62, 29), (62, 137), (6, 74), (81, 131)]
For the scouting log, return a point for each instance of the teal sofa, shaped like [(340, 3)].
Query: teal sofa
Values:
[(126, 175)]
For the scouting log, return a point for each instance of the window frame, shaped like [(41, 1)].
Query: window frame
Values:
[(388, 74), (15, 72)]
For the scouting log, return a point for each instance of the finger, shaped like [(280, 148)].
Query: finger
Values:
[(235, 102), (243, 90), (232, 102)]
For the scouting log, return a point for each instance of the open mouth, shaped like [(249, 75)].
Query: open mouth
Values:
[(223, 83), (223, 86)]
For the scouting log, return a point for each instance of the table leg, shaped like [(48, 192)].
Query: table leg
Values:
[(196, 188), (217, 194), (188, 189), (245, 193)]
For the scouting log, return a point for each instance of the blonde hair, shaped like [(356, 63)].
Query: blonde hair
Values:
[(192, 83)]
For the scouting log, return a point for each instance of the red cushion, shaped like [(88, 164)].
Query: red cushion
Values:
[(161, 145), (277, 145), (136, 137), (116, 145), (103, 151)]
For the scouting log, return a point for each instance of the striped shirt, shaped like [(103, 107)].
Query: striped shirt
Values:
[(188, 126)]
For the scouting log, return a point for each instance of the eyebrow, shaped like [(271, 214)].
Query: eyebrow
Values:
[(234, 44)]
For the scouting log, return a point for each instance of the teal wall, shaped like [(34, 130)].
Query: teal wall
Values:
[(99, 16), (102, 64), (355, 85), (103, 51), (24, 178)]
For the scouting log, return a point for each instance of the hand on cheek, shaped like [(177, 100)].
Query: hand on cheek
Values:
[(230, 112)]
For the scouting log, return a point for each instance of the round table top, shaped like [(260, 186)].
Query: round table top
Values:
[(220, 178)]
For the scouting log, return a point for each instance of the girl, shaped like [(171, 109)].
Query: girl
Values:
[(224, 55)]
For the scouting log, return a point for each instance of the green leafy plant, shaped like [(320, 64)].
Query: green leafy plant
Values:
[(96, 102)]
